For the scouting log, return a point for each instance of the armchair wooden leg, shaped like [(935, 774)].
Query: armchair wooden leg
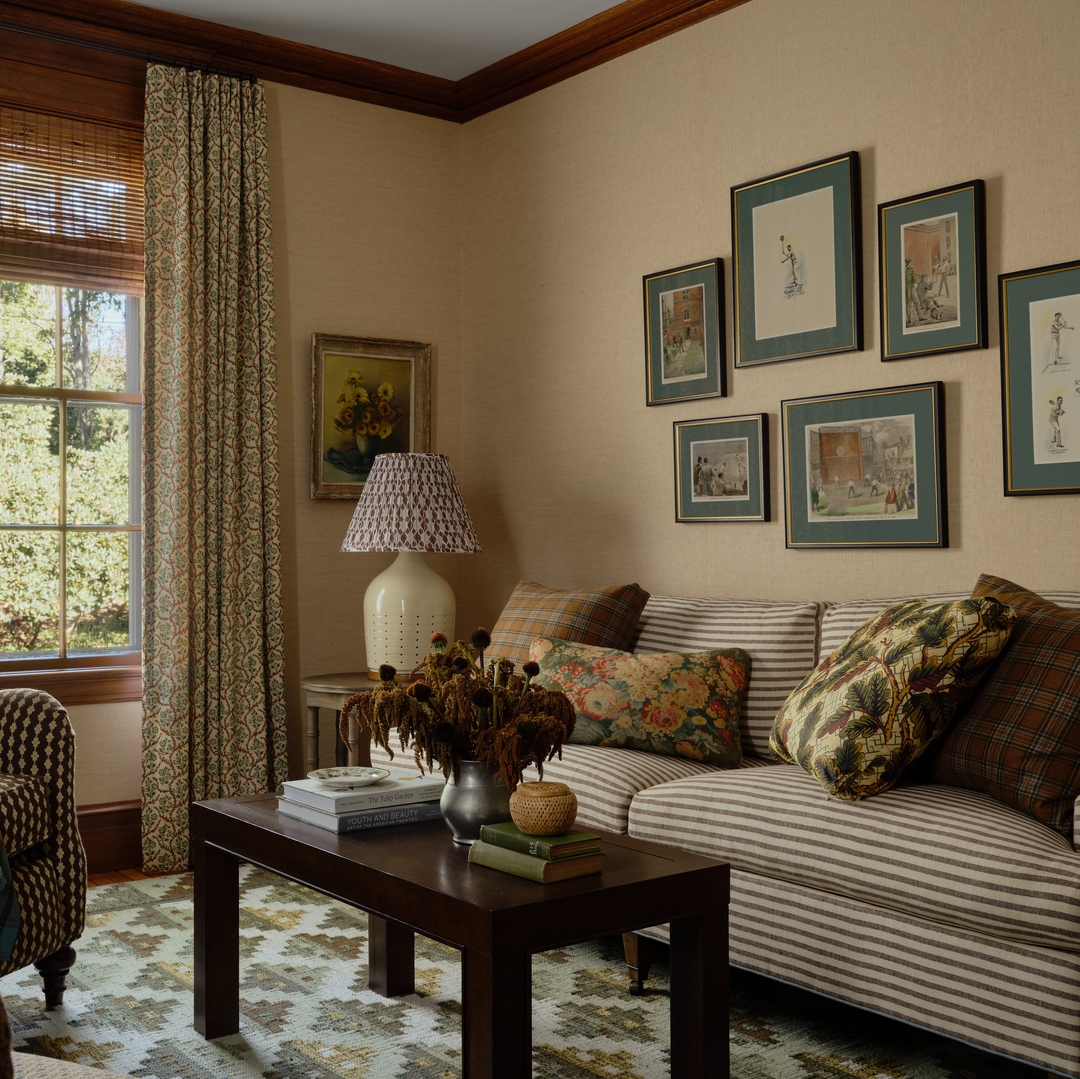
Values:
[(54, 970), (639, 956)]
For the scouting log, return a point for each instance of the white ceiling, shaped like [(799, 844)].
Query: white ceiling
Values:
[(448, 38)]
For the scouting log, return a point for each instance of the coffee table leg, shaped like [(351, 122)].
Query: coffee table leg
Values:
[(699, 996), (391, 966), (217, 940), (496, 1036)]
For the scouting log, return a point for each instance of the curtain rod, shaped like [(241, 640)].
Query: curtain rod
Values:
[(190, 65)]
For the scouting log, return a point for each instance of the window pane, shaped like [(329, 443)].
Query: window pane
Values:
[(97, 592), (29, 463), (98, 456), (95, 340), (30, 601), (27, 334)]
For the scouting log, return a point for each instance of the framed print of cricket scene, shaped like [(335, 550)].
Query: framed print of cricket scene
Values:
[(685, 351), (866, 469), (1040, 379), (722, 469), (369, 396), (932, 272), (797, 243)]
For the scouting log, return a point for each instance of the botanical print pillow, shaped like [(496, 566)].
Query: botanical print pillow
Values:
[(679, 705), (865, 714)]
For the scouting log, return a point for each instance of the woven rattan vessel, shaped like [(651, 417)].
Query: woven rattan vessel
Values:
[(543, 808)]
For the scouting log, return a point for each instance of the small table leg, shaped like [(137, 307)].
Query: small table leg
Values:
[(391, 964), (217, 940), (496, 1035), (341, 751), (312, 737), (699, 996)]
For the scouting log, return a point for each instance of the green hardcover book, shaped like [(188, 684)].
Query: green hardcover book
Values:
[(551, 847), (538, 869)]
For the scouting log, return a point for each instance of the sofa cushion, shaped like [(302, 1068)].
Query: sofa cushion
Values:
[(841, 620), (780, 638), (603, 616), (1019, 737), (25, 815), (865, 715), (679, 704), (951, 856)]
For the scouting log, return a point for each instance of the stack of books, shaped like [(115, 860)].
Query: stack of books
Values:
[(404, 797), (543, 858)]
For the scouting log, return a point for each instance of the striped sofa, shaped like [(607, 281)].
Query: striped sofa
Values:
[(935, 905)]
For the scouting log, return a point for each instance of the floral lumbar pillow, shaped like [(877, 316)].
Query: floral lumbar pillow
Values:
[(864, 715), (676, 704)]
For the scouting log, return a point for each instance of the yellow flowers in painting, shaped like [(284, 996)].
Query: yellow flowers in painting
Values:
[(363, 413)]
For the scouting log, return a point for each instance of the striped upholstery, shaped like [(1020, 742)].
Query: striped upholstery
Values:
[(780, 637), (976, 863), (49, 879)]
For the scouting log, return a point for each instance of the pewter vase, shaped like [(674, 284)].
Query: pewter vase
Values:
[(475, 799)]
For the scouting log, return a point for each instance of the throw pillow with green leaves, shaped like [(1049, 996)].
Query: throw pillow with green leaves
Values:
[(863, 716)]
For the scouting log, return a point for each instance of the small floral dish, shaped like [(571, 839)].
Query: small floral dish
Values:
[(348, 777)]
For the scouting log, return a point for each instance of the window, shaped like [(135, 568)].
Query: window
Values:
[(70, 403)]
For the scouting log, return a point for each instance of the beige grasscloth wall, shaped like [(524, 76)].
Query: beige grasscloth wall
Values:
[(517, 244), (573, 194)]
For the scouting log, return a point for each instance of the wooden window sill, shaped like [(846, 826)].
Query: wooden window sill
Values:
[(80, 685)]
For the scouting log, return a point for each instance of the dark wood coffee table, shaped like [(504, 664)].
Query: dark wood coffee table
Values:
[(415, 879)]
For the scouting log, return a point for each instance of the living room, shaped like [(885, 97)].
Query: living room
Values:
[(516, 244)]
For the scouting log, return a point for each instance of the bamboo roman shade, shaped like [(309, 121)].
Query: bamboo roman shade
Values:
[(71, 202)]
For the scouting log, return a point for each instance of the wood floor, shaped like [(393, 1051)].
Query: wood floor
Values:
[(119, 876)]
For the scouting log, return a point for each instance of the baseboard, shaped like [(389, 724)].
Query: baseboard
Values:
[(111, 834)]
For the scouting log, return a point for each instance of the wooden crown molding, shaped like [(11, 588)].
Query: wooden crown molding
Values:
[(149, 32)]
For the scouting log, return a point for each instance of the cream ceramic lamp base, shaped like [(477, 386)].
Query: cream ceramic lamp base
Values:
[(403, 608)]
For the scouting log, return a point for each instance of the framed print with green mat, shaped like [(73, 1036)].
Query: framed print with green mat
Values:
[(797, 254), (932, 272), (866, 469), (685, 352), (722, 469), (1040, 379)]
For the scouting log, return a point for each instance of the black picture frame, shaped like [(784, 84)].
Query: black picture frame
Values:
[(797, 263), (685, 345), (737, 448), (932, 272), (1040, 362), (866, 468)]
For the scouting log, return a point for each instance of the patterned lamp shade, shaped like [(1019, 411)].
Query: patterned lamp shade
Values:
[(411, 502)]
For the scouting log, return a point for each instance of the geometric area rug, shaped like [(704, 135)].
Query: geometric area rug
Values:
[(306, 1011)]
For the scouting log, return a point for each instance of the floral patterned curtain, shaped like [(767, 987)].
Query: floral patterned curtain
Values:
[(213, 701)]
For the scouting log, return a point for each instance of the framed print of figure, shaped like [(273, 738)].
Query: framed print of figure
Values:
[(932, 272), (797, 256), (1040, 379), (722, 469)]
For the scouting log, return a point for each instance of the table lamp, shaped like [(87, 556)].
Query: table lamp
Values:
[(410, 504)]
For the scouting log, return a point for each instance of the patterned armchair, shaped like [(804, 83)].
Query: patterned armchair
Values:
[(40, 835)]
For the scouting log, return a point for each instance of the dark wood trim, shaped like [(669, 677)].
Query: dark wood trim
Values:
[(82, 685), (111, 834), (163, 35), (604, 37)]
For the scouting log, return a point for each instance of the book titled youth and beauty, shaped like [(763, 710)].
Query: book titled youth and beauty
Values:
[(401, 787)]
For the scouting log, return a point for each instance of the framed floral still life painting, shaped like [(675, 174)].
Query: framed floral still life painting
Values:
[(932, 272), (797, 257), (1040, 379), (369, 396), (866, 469), (684, 333), (722, 469)]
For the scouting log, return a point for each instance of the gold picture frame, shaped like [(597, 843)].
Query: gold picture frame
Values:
[(369, 395)]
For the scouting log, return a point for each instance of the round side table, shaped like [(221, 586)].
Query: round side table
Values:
[(332, 691)]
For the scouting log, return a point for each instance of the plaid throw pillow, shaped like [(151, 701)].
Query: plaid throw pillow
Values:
[(1019, 738), (606, 616)]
